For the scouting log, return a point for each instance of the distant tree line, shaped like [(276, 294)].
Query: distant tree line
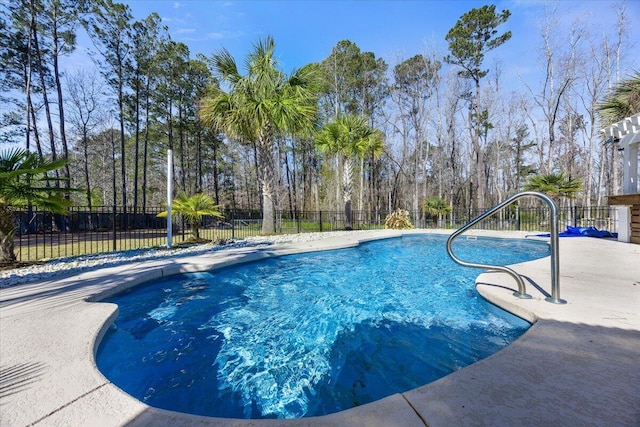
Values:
[(348, 132)]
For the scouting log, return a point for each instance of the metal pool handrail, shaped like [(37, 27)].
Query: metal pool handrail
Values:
[(555, 260)]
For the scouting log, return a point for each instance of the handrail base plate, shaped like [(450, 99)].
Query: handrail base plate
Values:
[(555, 300), (522, 296)]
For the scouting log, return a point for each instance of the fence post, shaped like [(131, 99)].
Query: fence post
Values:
[(114, 229), (233, 224)]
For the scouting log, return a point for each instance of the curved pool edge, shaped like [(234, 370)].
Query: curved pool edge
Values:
[(43, 327)]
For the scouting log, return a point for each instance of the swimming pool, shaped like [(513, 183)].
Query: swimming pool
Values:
[(309, 334)]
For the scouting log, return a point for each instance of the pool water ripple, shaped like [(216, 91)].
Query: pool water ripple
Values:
[(309, 334)]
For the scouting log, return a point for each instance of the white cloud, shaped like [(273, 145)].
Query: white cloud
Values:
[(220, 35), (216, 36), (191, 35), (185, 31)]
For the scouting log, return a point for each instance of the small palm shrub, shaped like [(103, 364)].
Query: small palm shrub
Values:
[(398, 220), (193, 209)]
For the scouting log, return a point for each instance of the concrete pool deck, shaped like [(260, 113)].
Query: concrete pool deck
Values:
[(579, 364)]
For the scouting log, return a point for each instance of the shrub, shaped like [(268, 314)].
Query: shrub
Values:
[(193, 209), (398, 220)]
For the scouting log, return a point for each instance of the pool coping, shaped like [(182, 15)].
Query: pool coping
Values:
[(576, 364)]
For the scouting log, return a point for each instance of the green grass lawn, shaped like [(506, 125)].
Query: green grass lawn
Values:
[(39, 247)]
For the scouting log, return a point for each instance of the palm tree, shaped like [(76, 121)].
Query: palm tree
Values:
[(193, 209), (436, 207), (556, 185), (259, 107), (23, 182), (349, 136)]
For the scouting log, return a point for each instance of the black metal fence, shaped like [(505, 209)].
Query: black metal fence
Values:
[(42, 235)]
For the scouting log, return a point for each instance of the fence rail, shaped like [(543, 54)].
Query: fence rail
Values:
[(42, 235)]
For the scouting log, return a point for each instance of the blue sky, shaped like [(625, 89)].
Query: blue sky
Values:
[(306, 30)]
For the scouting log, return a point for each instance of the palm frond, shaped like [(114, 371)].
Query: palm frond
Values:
[(261, 63), (555, 185), (11, 159), (225, 67), (621, 102), (23, 181), (434, 206)]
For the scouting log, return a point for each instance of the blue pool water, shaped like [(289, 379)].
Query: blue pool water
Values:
[(309, 334)]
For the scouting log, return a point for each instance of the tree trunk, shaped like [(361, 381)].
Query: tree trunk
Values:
[(417, 163), (347, 187), (290, 188), (136, 152), (267, 172), (361, 192), (122, 151), (145, 151), (478, 151), (258, 177), (41, 74), (199, 180), (36, 134), (216, 183), (113, 173), (63, 133), (183, 169), (28, 73), (85, 152), (7, 233), (552, 140), (294, 184), (337, 181)]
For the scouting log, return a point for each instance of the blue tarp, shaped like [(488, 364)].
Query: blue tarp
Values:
[(582, 232), (586, 231)]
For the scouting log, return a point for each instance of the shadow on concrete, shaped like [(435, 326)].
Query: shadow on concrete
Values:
[(16, 378), (531, 282), (536, 285)]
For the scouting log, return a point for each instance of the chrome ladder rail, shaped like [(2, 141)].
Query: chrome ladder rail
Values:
[(555, 263)]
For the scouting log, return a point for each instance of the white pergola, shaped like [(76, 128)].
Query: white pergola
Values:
[(627, 132)]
